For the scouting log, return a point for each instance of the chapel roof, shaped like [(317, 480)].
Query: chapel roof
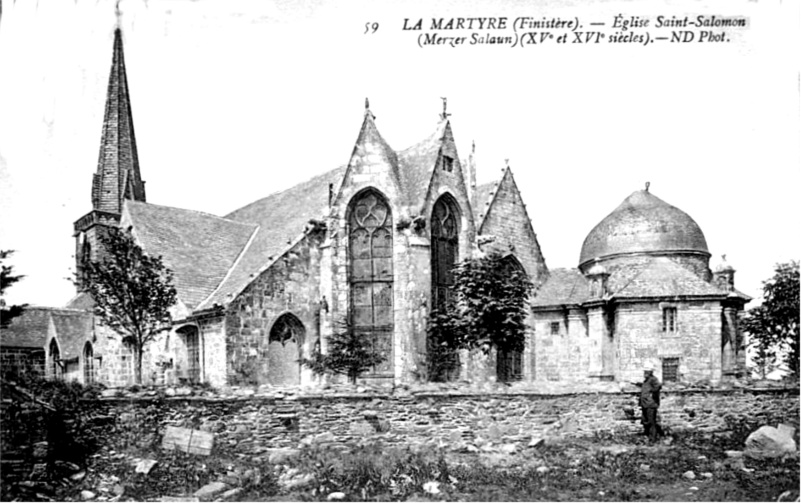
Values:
[(656, 277), (643, 223), (28, 330), (563, 287), (659, 277), (198, 247), (417, 164), (281, 218), (73, 328)]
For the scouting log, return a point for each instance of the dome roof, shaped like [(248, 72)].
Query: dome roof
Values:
[(643, 223)]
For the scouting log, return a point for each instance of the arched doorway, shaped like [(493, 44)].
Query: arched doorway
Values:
[(191, 365), (54, 354), (88, 364), (284, 350), (371, 275), (443, 364), (509, 365)]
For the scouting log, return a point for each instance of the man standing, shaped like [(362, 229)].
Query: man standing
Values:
[(649, 401)]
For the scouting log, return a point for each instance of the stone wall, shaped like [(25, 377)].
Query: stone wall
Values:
[(507, 221), (696, 340), (288, 286), (22, 361), (252, 425)]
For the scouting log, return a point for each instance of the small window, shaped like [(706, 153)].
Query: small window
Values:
[(555, 328), (669, 319), (670, 369), (447, 163)]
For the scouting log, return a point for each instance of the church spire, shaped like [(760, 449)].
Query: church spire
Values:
[(117, 176)]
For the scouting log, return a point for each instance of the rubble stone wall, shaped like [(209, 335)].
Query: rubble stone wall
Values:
[(255, 424)]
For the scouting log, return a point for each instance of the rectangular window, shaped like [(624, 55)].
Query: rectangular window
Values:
[(554, 328), (669, 319), (447, 163), (670, 369)]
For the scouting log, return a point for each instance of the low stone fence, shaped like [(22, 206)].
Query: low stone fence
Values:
[(252, 425)]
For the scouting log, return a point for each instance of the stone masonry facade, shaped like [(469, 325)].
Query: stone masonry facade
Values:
[(372, 244)]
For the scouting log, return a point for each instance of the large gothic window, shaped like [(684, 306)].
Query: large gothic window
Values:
[(444, 248), (444, 365), (370, 240), (510, 362)]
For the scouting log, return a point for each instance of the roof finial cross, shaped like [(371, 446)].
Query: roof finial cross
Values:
[(507, 162), (367, 108), (117, 12), (647, 185), (444, 115)]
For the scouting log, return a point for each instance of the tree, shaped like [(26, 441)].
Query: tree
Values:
[(8, 278), (132, 292), (774, 326), (349, 353), (487, 310), (765, 357)]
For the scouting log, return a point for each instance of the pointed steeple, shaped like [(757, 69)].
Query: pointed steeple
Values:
[(117, 176)]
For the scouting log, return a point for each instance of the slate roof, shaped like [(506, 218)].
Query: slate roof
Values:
[(483, 199), (82, 301), (643, 223), (28, 330), (198, 247), (563, 287), (656, 278), (660, 277), (281, 218), (73, 329), (417, 164)]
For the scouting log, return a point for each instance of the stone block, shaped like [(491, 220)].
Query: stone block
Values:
[(210, 491), (768, 441)]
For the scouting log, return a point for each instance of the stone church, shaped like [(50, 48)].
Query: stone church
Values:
[(373, 242)]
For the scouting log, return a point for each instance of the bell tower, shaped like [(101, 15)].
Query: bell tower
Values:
[(117, 177)]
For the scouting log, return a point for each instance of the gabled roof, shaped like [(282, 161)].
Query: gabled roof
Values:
[(417, 164), (282, 218), (82, 300), (28, 330), (483, 197), (73, 329), (372, 149), (563, 287), (199, 248)]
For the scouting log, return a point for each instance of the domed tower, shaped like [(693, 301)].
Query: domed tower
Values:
[(643, 292), (644, 226)]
